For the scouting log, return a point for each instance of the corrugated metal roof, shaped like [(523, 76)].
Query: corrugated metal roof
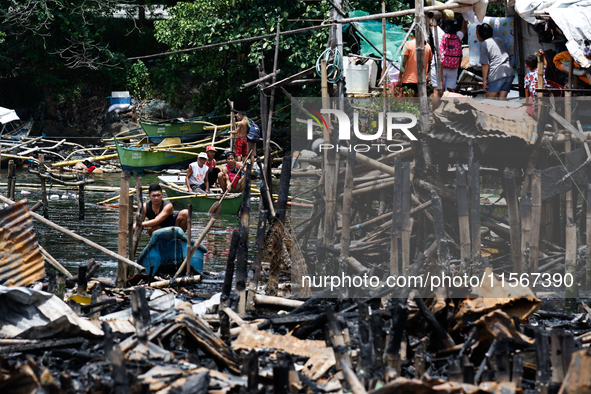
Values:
[(482, 119), (21, 262)]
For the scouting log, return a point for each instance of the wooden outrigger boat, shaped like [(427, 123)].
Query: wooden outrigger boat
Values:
[(186, 130), (170, 153), (167, 250), (177, 193)]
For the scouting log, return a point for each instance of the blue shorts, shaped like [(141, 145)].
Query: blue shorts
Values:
[(500, 85)]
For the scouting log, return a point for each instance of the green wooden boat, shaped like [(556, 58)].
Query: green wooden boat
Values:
[(186, 130), (157, 157), (178, 195)]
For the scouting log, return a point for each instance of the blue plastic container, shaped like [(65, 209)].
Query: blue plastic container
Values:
[(167, 250), (120, 98)]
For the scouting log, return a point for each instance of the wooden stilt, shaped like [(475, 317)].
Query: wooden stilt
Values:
[(464, 218), (525, 230), (242, 256), (474, 180), (405, 218), (515, 228), (347, 200), (10, 184), (122, 238), (190, 209), (81, 202), (43, 189)]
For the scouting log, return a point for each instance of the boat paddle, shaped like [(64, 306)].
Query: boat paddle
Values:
[(216, 206)]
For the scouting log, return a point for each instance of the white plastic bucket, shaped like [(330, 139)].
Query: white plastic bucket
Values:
[(357, 79)]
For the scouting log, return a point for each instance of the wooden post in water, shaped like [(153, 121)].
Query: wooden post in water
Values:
[(463, 217), (242, 255), (137, 231), (515, 230), (405, 217), (9, 183), (536, 215), (81, 202), (123, 217), (129, 226), (474, 172), (43, 189), (190, 209)]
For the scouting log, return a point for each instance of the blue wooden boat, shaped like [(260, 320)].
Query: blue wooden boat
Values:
[(167, 250)]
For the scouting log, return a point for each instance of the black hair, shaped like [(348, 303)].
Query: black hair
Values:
[(154, 187), (450, 26), (485, 31), (230, 153), (531, 62)]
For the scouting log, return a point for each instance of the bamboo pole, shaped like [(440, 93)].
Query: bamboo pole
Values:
[(329, 169), (536, 214), (60, 268), (421, 74), (72, 162), (195, 246), (123, 223), (396, 14), (78, 237), (570, 260), (267, 140), (514, 225), (464, 218)]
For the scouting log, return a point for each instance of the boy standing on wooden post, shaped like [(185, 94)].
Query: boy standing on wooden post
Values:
[(240, 131)]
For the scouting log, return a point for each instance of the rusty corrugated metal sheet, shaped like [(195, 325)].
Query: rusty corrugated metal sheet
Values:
[(21, 262), (473, 119)]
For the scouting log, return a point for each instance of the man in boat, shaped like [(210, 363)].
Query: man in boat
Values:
[(196, 179), (231, 176), (212, 173), (241, 129), (160, 213)]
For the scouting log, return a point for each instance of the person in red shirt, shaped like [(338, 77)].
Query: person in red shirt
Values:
[(211, 164)]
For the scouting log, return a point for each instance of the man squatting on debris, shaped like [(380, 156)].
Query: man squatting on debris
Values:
[(160, 213)]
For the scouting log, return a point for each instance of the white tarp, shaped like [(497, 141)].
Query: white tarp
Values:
[(573, 17), (7, 115)]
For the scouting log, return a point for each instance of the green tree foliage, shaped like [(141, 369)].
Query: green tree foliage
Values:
[(221, 71)]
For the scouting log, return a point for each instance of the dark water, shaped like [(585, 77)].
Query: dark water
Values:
[(101, 223)]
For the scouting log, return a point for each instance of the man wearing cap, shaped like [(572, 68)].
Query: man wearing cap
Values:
[(562, 62), (240, 131), (196, 179), (213, 171)]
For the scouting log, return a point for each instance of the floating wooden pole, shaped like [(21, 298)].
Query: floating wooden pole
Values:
[(122, 233), (464, 218), (190, 209), (536, 215), (78, 237), (514, 225)]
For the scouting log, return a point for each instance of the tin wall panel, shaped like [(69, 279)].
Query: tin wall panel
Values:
[(21, 262)]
